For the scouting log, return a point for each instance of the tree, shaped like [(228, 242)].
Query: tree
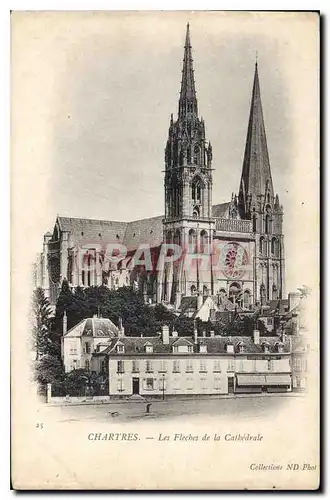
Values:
[(49, 370), (41, 319)]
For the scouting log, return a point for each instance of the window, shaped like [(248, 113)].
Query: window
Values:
[(269, 321), (135, 366), (270, 365), (204, 242), (87, 348), (297, 364), (176, 366), (231, 365), (149, 367), (203, 348), (103, 366), (190, 348), (149, 349), (266, 347), (192, 239), (193, 289), (87, 364), (196, 154), (262, 245), (204, 383), (162, 365), (177, 384), (120, 367), (120, 348), (190, 383), (202, 366), (217, 383), (189, 366), (73, 349), (246, 299), (149, 385), (268, 228), (120, 385), (83, 277), (216, 365)]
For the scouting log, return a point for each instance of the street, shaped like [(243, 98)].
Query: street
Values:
[(246, 407)]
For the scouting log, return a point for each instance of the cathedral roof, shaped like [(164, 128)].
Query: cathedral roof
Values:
[(220, 210), (130, 234), (256, 167), (93, 230), (148, 231)]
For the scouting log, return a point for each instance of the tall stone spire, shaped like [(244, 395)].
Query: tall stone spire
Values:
[(256, 175), (188, 100)]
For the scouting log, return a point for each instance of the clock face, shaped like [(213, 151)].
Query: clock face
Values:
[(234, 258)]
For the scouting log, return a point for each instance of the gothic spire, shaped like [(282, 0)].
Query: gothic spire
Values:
[(188, 100), (256, 174)]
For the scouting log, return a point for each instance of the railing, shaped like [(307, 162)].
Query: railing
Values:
[(233, 225)]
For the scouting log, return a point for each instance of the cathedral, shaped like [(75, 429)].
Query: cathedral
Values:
[(234, 250)]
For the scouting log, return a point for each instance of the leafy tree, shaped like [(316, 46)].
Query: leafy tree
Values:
[(82, 382), (41, 322), (49, 370)]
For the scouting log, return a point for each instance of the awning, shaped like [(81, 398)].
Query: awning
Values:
[(251, 380), (278, 380)]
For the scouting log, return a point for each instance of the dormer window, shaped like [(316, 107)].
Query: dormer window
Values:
[(240, 347), (149, 348), (266, 347), (203, 348), (120, 348), (230, 348), (279, 347)]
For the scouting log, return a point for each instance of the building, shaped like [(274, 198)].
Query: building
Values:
[(242, 239), (87, 337), (172, 365)]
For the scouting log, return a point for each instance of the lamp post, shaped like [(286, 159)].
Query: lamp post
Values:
[(163, 386)]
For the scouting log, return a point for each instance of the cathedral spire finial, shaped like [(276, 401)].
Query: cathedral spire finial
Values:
[(188, 100)]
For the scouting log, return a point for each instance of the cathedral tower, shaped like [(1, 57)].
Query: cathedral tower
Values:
[(257, 202), (188, 187)]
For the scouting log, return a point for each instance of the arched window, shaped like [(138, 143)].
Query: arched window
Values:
[(235, 293), (192, 239), (203, 242), (193, 289), (274, 292), (268, 220), (196, 191), (268, 198), (205, 290), (262, 245), (274, 247), (196, 155), (246, 299), (262, 294), (196, 212)]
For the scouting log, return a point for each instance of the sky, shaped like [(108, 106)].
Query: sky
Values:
[(93, 95)]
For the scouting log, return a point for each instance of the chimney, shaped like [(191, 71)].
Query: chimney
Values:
[(195, 332), (65, 323), (121, 327), (166, 334), (256, 337), (199, 300)]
